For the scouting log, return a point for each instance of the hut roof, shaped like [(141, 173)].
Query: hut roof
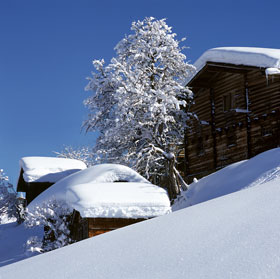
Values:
[(240, 58), (94, 193), (48, 169), (249, 56)]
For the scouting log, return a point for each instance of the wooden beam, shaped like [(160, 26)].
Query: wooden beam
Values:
[(229, 68)]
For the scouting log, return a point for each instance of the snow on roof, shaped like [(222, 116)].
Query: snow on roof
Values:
[(94, 193), (48, 169), (248, 56)]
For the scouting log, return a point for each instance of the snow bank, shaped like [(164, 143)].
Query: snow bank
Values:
[(48, 169), (256, 171), (94, 193), (235, 236), (13, 238)]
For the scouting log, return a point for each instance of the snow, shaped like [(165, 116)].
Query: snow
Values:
[(48, 169), (272, 71), (13, 238), (248, 56), (245, 174), (94, 193), (234, 236), (241, 110)]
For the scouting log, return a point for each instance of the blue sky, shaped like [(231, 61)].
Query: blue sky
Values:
[(47, 47)]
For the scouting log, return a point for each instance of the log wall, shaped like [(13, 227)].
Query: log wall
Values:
[(238, 116)]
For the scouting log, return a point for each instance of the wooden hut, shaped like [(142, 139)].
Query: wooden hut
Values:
[(237, 103), (103, 207), (106, 197), (38, 173)]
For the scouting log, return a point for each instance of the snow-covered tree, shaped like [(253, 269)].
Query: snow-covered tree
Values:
[(8, 201), (138, 100), (54, 217)]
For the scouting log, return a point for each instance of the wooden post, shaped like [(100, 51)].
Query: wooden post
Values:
[(213, 126), (248, 119)]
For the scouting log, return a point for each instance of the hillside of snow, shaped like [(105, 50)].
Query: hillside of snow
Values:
[(13, 238), (234, 236), (226, 234), (244, 174)]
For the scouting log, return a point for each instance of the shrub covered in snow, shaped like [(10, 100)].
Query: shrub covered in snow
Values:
[(54, 217), (9, 210)]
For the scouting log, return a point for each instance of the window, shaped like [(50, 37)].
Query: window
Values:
[(231, 138), (266, 131), (228, 102), (199, 146)]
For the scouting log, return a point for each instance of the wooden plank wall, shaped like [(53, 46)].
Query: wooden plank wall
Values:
[(264, 94), (98, 226), (200, 159), (233, 135), (230, 123)]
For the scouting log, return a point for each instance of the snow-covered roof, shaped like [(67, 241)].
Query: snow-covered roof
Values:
[(94, 193), (247, 56), (48, 169)]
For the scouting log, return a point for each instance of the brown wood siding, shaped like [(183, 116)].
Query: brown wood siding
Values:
[(199, 140), (98, 226), (82, 228), (265, 111), (233, 133)]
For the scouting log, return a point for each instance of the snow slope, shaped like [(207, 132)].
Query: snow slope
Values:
[(13, 237), (256, 171), (234, 236)]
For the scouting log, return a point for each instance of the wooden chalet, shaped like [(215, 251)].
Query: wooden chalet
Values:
[(110, 206), (106, 197), (237, 103), (39, 173)]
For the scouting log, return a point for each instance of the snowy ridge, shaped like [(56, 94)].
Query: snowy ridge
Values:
[(48, 169)]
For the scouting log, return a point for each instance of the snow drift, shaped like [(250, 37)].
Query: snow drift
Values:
[(234, 236)]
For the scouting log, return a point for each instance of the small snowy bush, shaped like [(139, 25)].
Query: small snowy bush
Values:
[(54, 217), (9, 210)]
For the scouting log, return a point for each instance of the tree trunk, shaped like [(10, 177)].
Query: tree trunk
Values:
[(172, 183)]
